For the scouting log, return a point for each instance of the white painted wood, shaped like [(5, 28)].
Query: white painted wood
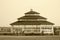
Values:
[(32, 28)]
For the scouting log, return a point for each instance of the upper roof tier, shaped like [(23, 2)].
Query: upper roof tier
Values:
[(32, 13)]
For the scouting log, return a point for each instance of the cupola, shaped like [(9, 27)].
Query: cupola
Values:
[(32, 13)]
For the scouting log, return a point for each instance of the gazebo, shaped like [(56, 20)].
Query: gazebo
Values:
[(32, 23)]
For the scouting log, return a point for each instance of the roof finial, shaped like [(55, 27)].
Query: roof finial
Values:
[(31, 9)]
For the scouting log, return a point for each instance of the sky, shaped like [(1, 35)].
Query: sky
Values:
[(10, 10)]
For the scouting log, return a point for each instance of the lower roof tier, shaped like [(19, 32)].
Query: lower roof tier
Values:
[(32, 23)]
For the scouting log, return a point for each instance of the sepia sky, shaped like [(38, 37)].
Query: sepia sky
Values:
[(10, 10)]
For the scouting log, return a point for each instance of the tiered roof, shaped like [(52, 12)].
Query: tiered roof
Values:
[(32, 15)]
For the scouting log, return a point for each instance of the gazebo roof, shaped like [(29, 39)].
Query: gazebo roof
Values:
[(34, 16)]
